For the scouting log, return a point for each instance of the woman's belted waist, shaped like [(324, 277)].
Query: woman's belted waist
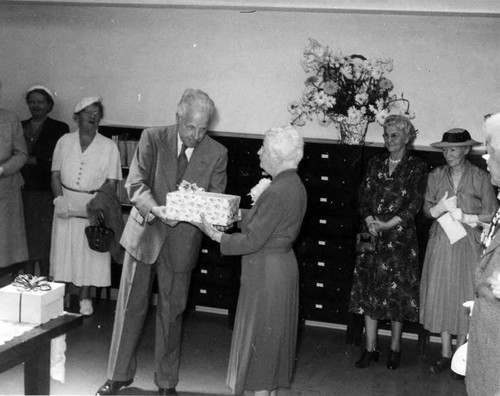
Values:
[(278, 249), (79, 191)]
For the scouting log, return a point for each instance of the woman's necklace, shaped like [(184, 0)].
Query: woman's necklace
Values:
[(394, 161)]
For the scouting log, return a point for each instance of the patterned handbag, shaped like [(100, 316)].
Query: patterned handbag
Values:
[(99, 237), (365, 243)]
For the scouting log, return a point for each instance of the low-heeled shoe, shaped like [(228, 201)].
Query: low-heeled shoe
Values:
[(394, 360), (367, 357), (111, 387), (167, 391), (440, 365)]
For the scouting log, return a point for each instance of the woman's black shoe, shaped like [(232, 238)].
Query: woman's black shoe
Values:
[(440, 365), (367, 357), (394, 359)]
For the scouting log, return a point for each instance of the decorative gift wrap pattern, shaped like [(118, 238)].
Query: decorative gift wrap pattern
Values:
[(189, 202), (31, 306)]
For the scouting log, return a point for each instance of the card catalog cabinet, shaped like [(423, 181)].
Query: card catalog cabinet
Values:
[(325, 249)]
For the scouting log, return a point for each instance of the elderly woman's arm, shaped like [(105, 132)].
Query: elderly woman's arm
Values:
[(19, 152), (366, 194), (415, 192), (415, 195)]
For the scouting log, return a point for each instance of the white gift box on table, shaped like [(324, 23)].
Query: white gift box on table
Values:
[(30, 306), (218, 209)]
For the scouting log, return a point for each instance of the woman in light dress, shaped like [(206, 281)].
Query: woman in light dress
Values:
[(83, 162)]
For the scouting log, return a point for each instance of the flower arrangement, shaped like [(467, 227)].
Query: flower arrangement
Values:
[(258, 189), (346, 89)]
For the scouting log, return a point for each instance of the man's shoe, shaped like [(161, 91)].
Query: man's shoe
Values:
[(167, 391), (111, 387)]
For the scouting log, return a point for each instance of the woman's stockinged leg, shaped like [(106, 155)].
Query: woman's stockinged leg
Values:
[(446, 344), (396, 331), (371, 326)]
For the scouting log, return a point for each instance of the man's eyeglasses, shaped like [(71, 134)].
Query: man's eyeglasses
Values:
[(194, 129)]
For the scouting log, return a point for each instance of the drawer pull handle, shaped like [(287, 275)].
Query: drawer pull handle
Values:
[(325, 156), (323, 200), (321, 264), (322, 243), (324, 178), (204, 271), (319, 306), (322, 221), (203, 291), (319, 284)]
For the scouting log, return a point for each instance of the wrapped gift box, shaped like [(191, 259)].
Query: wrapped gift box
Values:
[(219, 209), (30, 306)]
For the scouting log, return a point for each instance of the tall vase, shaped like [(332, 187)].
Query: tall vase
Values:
[(351, 133)]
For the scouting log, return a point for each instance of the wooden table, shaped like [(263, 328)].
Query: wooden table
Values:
[(33, 349)]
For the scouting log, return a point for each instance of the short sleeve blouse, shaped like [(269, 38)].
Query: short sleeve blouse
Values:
[(86, 170)]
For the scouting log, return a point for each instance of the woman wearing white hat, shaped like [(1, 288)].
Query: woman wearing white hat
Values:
[(41, 133), (84, 161), (459, 196)]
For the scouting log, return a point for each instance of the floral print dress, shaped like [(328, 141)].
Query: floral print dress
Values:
[(386, 283)]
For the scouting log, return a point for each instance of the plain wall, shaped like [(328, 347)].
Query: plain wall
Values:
[(141, 59)]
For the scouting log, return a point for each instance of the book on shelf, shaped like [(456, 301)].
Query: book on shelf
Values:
[(126, 148)]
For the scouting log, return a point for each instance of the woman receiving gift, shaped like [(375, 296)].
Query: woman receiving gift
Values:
[(385, 283), (84, 161), (463, 193), (265, 333)]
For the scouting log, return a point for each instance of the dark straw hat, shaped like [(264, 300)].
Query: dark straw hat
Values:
[(455, 137)]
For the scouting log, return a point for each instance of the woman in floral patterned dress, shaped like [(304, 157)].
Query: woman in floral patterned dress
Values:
[(385, 284)]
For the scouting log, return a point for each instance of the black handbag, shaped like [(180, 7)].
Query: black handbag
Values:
[(99, 237), (365, 243)]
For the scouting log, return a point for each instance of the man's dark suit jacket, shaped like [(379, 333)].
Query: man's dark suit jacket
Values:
[(151, 176)]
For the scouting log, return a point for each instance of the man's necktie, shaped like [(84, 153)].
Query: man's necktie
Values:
[(182, 163)]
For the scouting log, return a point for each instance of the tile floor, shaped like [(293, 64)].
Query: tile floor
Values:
[(325, 363)]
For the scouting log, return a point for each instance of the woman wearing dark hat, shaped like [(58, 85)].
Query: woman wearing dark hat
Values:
[(41, 133), (84, 161), (459, 196)]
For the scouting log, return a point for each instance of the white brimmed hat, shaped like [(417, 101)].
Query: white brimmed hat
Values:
[(87, 102), (42, 88)]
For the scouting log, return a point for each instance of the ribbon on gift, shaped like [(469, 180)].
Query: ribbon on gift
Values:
[(29, 283), (186, 186)]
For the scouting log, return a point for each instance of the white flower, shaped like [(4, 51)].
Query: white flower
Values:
[(258, 189)]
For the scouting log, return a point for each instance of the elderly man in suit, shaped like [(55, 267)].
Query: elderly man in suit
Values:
[(158, 245)]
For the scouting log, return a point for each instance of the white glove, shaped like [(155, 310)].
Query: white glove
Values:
[(470, 219), (444, 205), (457, 214), (61, 207)]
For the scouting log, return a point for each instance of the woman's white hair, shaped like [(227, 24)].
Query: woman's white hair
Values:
[(286, 144), (492, 129)]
